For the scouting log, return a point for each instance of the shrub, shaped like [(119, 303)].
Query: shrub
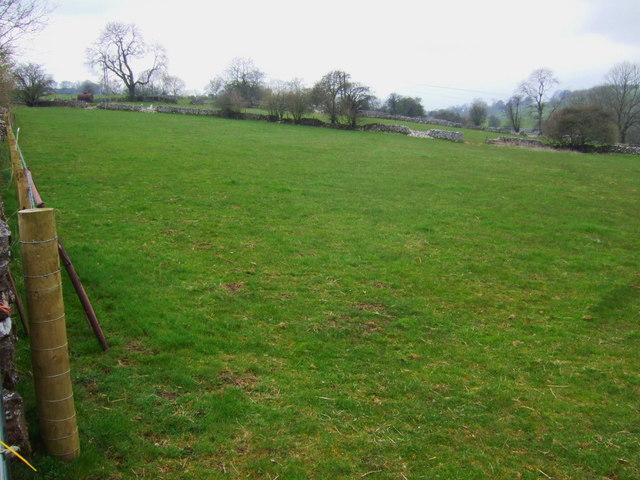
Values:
[(581, 125), (230, 103), (478, 113)]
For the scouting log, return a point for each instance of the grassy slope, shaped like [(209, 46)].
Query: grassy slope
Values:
[(309, 303)]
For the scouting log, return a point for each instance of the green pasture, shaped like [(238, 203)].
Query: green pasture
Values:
[(289, 302)]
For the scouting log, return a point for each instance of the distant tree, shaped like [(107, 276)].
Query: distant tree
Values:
[(215, 86), (230, 102), (89, 87), (391, 104), (559, 99), (622, 96), (537, 88), (353, 101), (376, 104), (297, 100), (447, 115), (514, 114), (275, 99), (580, 125), (172, 85), (119, 49), (32, 83), (327, 93), (497, 107), (478, 113), (152, 89), (493, 121), (67, 87), (243, 76), (404, 106)]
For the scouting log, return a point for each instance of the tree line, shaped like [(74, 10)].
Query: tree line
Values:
[(126, 62), (605, 113)]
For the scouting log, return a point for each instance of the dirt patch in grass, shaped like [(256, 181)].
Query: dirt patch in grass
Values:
[(137, 346), (234, 287), (169, 395), (244, 381)]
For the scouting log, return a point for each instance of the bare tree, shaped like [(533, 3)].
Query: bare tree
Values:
[(32, 83), (353, 102), (215, 86), (298, 100), (118, 51), (275, 100), (514, 115), (172, 85), (230, 103), (243, 76), (328, 92), (19, 18), (622, 97), (537, 88)]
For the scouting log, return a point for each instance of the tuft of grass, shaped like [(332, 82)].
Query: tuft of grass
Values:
[(308, 303)]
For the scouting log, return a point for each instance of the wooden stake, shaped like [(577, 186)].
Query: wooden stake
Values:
[(35, 194), (92, 320), (22, 186), (50, 351)]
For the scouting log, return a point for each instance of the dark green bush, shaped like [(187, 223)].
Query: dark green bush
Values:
[(580, 125)]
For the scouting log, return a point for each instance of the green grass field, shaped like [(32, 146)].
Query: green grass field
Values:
[(288, 302)]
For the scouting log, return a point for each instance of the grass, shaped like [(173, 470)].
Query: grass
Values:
[(301, 303)]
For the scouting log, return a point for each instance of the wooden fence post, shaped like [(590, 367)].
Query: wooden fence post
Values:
[(50, 353)]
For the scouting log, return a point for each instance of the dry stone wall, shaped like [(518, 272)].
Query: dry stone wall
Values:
[(404, 130), (423, 120), (439, 134), (625, 149), (16, 430), (518, 142)]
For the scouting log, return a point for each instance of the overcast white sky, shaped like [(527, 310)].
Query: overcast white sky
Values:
[(447, 52)]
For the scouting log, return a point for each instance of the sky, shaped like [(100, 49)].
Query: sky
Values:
[(447, 52)]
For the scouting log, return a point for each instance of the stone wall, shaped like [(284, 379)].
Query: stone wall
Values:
[(127, 107), (188, 111), (16, 430), (523, 142), (439, 134), (625, 149), (423, 120), (404, 130), (518, 142), (379, 127)]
